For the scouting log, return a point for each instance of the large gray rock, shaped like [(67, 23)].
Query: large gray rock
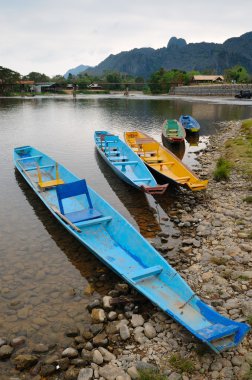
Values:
[(97, 357), (124, 332), (85, 374), (137, 320), (133, 373), (70, 352), (5, 351), (110, 372), (25, 361), (98, 315), (107, 356), (149, 330)]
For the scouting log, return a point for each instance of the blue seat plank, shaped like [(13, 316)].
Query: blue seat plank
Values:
[(125, 163), (40, 167), (118, 158), (28, 158), (141, 274), (86, 214), (86, 223), (142, 180)]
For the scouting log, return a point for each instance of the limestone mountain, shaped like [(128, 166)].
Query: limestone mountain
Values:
[(77, 70), (180, 55)]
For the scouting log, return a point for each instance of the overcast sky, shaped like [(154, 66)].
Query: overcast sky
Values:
[(52, 36)]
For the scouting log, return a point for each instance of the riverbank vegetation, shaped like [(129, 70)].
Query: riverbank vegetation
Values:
[(159, 82), (238, 151), (237, 154)]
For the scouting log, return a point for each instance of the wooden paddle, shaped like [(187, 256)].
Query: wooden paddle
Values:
[(63, 217)]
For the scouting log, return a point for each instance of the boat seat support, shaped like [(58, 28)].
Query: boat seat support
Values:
[(45, 184), (144, 273)]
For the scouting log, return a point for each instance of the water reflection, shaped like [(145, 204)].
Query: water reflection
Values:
[(192, 138), (80, 257), (150, 213), (178, 148)]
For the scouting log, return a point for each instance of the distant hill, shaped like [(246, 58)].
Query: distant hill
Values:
[(180, 55), (77, 70)]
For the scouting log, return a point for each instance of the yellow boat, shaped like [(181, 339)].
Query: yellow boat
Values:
[(162, 162)]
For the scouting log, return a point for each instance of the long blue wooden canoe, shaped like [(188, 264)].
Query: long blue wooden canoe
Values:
[(126, 163), (108, 235)]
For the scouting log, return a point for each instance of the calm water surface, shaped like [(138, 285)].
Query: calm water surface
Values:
[(44, 272)]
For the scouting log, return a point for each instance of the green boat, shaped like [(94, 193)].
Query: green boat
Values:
[(173, 131)]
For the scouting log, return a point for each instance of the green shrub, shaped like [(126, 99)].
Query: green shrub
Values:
[(146, 374), (222, 170), (181, 364), (249, 320), (248, 199)]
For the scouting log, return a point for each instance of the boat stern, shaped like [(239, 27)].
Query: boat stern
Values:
[(222, 333), (198, 186), (155, 190)]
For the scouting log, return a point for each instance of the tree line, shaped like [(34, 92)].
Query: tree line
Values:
[(159, 82)]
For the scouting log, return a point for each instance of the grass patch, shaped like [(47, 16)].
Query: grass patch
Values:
[(238, 151), (181, 364), (243, 278), (248, 375), (248, 199), (218, 260), (249, 320), (146, 374), (222, 170)]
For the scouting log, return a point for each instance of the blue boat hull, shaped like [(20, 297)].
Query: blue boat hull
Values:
[(189, 123), (125, 163), (120, 246)]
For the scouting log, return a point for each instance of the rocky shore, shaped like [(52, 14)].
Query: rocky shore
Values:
[(128, 335)]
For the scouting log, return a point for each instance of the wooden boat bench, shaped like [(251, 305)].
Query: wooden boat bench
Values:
[(142, 274), (142, 180), (183, 179), (118, 158), (124, 164), (47, 184), (40, 167), (166, 163), (152, 160), (73, 189), (91, 222), (23, 160), (29, 158)]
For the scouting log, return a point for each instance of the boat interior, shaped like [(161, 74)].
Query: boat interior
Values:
[(163, 161), (124, 159), (109, 236)]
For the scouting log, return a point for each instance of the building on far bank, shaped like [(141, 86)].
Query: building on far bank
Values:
[(94, 86), (197, 79), (45, 87)]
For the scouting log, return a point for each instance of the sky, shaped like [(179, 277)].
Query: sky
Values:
[(53, 36)]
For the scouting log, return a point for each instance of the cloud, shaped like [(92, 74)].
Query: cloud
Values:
[(51, 36)]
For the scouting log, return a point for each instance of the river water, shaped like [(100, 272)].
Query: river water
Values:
[(44, 272)]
